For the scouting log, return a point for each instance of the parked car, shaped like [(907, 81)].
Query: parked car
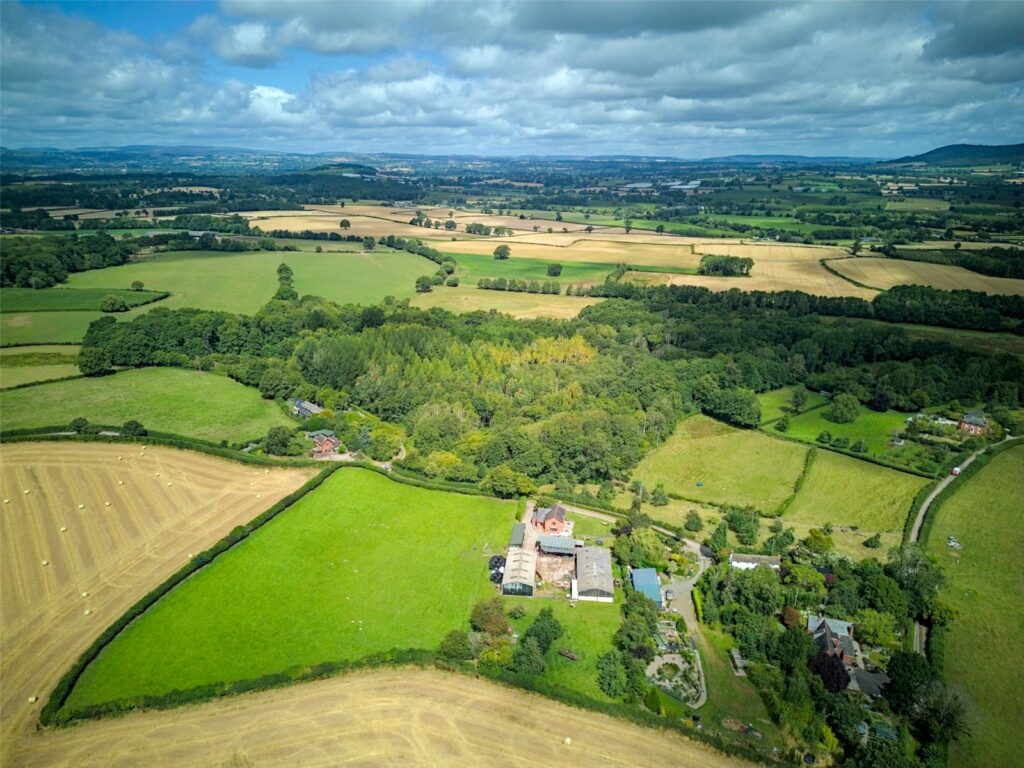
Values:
[(669, 595)]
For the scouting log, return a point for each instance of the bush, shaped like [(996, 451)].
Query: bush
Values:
[(517, 612), (113, 303), (554, 270), (94, 361), (527, 658), (452, 282), (874, 542), (845, 408), (694, 523), (455, 647), (79, 425), (137, 285), (841, 442), (133, 429), (824, 438), (277, 441), (489, 617)]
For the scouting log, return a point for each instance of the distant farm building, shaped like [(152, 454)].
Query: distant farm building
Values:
[(304, 408), (594, 575), (749, 562), (973, 423), (520, 569), (556, 545), (645, 581), (550, 520)]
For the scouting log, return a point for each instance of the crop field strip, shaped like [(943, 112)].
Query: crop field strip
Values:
[(886, 273), (172, 503)]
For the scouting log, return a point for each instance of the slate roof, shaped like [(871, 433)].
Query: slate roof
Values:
[(975, 419), (543, 514), (870, 683), (836, 626)]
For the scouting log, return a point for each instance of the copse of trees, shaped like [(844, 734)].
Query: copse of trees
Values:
[(42, 262), (513, 285), (727, 266)]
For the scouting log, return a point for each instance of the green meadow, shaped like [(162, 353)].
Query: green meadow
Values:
[(183, 402), (359, 566), (23, 365), (472, 267), (68, 299), (45, 327)]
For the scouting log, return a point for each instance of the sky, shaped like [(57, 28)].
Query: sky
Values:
[(679, 79)]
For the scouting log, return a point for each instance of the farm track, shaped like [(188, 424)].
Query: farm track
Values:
[(390, 717), (172, 503)]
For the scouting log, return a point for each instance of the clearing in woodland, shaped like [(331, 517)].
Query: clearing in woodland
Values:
[(983, 646), (359, 566), (164, 504), (397, 717), (523, 306), (886, 273), (182, 402)]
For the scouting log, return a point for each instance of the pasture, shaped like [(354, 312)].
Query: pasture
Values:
[(734, 466), (182, 402), (24, 365), (524, 306), (68, 299), (44, 327), (851, 493), (776, 403), (164, 504), (876, 429), (395, 717), (244, 282), (984, 644), (361, 565), (885, 273), (474, 266)]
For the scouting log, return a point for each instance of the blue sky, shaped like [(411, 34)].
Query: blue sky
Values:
[(685, 79)]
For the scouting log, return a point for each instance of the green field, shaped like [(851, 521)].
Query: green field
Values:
[(67, 299), (735, 466), (244, 282), (777, 402), (23, 365), (984, 645), (473, 266), (589, 628), (44, 327), (849, 492), (190, 403), (359, 566), (874, 428)]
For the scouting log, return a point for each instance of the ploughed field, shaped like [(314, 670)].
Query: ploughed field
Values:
[(164, 504)]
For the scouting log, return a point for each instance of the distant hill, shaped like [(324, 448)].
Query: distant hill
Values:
[(967, 154), (789, 159)]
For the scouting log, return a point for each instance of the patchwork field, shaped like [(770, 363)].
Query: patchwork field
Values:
[(735, 466), (325, 221), (191, 403), (851, 493), (519, 305), (886, 273), (599, 249), (361, 565), (24, 365), (171, 503), (244, 282), (399, 717), (985, 587), (67, 299), (44, 327)]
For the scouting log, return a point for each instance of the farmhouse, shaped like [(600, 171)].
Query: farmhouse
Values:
[(520, 567), (304, 408), (749, 562), (556, 545), (594, 574), (550, 520), (834, 637), (325, 443), (645, 581), (972, 423)]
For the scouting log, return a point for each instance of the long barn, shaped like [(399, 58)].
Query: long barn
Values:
[(594, 574), (520, 570)]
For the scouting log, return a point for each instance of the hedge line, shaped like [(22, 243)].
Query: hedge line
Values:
[(841, 276), (45, 381), (51, 713), (41, 344), (394, 657), (809, 458), (852, 454), (158, 296)]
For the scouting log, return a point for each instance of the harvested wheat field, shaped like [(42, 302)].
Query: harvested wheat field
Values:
[(398, 717), (666, 253), (885, 273), (776, 268), (523, 306), (320, 221), (72, 564)]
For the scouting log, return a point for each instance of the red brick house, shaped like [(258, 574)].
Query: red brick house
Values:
[(325, 443), (972, 423), (550, 520)]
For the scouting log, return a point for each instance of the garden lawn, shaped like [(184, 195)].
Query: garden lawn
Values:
[(876, 429), (735, 466), (244, 282), (189, 403), (23, 365), (589, 629), (474, 266), (849, 492), (359, 566), (985, 644), (44, 327), (776, 403), (67, 299)]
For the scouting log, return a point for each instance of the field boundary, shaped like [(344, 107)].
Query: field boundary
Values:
[(809, 458), (45, 343), (841, 276), (44, 381), (161, 295), (851, 454)]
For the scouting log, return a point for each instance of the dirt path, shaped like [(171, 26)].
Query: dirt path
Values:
[(397, 717), (143, 511)]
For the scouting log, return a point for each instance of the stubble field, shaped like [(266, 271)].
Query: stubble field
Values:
[(171, 503), (886, 273)]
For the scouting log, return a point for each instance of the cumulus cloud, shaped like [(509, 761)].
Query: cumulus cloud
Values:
[(434, 76)]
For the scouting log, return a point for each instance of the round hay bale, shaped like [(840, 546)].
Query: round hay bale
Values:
[(81, 506), (33, 699), (87, 612), (7, 501), (46, 562), (158, 474), (63, 529), (106, 504), (169, 482), (85, 594), (567, 741), (27, 491), (259, 495), (120, 482)]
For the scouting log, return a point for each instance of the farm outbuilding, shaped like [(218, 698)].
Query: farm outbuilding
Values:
[(749, 562), (556, 545), (520, 571), (518, 535), (645, 581), (594, 574)]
